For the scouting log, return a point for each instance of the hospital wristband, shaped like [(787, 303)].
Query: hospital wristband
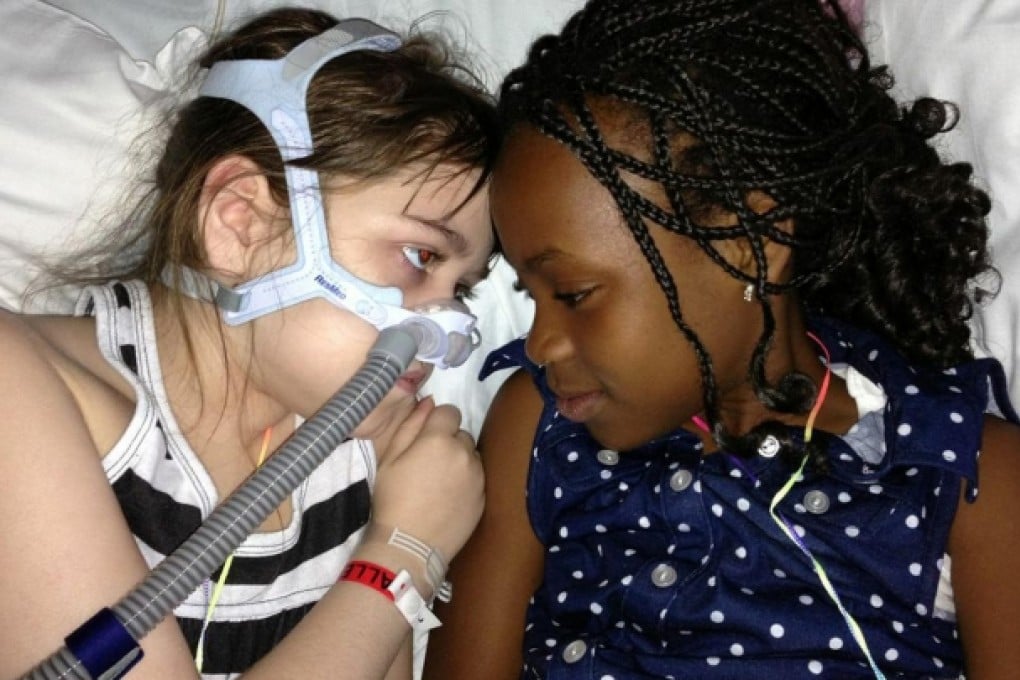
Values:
[(397, 587), (435, 565), (431, 558)]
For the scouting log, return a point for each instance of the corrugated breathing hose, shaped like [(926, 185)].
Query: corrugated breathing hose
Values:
[(173, 579)]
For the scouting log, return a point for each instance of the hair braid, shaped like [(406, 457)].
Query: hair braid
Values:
[(779, 97)]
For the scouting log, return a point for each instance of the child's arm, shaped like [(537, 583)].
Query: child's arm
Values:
[(65, 547), (985, 547), (402, 665), (66, 550), (429, 483), (501, 565)]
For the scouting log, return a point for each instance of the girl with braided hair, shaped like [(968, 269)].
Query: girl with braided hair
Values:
[(745, 441)]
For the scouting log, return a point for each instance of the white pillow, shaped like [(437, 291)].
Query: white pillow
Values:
[(498, 33), (969, 53), (71, 104), (62, 100)]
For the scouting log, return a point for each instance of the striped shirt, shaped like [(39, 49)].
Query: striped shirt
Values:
[(166, 492)]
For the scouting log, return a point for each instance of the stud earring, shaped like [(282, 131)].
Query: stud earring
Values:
[(748, 292)]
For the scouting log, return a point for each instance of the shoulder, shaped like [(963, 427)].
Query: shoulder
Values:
[(999, 434), (28, 350), (43, 417), (505, 445), (37, 374), (513, 416), (998, 477), (64, 344), (999, 464), (516, 393), (53, 370)]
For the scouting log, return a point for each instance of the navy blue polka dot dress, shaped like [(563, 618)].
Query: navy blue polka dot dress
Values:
[(663, 563)]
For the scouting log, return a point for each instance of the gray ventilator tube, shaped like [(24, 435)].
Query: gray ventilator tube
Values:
[(173, 579)]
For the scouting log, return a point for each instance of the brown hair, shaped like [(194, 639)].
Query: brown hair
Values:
[(371, 113)]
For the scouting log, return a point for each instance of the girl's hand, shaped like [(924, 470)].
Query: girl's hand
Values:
[(430, 480)]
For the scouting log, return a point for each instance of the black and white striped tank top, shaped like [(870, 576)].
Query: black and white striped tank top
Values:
[(166, 492)]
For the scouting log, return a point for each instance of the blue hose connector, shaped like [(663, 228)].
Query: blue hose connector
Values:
[(104, 646)]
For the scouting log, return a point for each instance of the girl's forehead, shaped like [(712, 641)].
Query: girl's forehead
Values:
[(447, 188), (544, 200), (538, 178)]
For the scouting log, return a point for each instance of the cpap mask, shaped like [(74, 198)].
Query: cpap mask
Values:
[(275, 91)]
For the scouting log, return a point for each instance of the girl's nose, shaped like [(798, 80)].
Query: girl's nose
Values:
[(546, 343)]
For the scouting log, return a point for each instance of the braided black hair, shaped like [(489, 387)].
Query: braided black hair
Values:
[(776, 96)]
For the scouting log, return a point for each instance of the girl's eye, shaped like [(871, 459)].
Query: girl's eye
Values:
[(420, 258), (569, 298), (572, 298)]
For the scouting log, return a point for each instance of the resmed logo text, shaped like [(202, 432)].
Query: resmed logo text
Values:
[(330, 286)]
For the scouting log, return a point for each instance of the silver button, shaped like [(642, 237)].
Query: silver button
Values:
[(608, 457), (663, 576), (575, 651), (816, 502), (680, 480), (769, 447)]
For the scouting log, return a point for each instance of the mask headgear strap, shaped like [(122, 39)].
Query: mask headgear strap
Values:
[(276, 92)]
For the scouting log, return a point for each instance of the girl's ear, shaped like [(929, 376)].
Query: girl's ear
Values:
[(777, 256), (234, 211)]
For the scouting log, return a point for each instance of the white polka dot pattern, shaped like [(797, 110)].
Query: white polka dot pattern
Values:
[(694, 579)]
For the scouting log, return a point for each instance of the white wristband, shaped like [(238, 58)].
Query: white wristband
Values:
[(435, 565), (411, 604)]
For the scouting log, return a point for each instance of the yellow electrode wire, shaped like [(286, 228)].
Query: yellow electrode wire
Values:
[(215, 598)]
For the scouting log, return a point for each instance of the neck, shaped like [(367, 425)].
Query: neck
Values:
[(212, 391), (792, 350)]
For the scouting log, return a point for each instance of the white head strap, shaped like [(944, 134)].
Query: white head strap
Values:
[(276, 92)]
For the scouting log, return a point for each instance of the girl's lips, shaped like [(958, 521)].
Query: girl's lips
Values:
[(411, 381), (580, 407)]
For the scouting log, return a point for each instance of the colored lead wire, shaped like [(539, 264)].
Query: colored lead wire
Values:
[(784, 524), (222, 580)]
